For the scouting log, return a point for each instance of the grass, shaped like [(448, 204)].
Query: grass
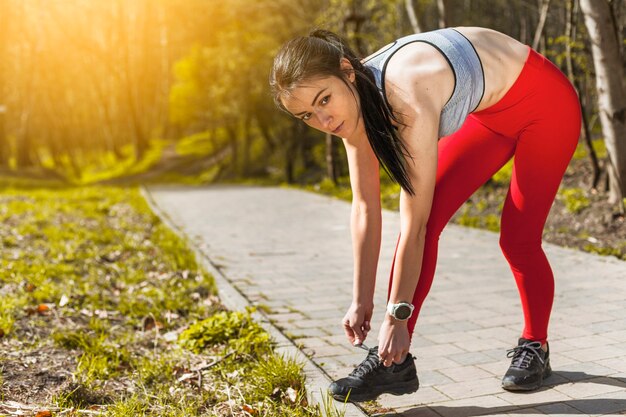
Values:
[(93, 283)]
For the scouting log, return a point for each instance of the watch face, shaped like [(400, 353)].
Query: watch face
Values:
[(402, 312)]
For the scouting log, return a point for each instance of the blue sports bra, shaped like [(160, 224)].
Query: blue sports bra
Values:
[(469, 78)]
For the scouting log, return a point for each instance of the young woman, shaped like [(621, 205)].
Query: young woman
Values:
[(441, 111)]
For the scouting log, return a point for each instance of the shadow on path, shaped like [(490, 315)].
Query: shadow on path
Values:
[(568, 407), (572, 407), (583, 377)]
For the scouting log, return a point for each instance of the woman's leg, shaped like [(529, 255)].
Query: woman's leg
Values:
[(543, 152), (467, 159)]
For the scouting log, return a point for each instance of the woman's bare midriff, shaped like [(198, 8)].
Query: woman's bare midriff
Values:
[(502, 58)]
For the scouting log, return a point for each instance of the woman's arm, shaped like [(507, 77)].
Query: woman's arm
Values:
[(420, 138), (365, 226), (420, 108)]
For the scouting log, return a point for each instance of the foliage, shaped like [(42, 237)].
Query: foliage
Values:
[(598, 146), (7, 308), (488, 221), (574, 199), (605, 251), (503, 176), (237, 330), (134, 79)]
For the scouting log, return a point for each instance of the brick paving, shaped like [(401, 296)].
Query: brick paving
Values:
[(290, 251)]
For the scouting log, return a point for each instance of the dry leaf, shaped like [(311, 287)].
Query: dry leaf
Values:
[(150, 323), (44, 413), (64, 300), (292, 394), (43, 309), (186, 377)]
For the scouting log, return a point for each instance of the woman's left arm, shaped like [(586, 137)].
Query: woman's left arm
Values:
[(420, 138)]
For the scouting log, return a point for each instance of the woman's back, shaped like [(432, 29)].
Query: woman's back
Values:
[(501, 59)]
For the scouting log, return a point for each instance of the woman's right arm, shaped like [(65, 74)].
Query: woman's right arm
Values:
[(365, 226)]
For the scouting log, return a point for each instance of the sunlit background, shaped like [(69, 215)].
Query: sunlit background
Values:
[(93, 90)]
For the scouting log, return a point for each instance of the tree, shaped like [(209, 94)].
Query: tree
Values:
[(607, 60), (442, 8), (5, 20), (410, 11), (543, 14)]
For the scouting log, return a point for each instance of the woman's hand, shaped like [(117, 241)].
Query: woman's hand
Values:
[(356, 322), (393, 340)]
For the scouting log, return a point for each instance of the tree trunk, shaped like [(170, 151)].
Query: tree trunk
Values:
[(595, 164), (164, 74), (291, 151), (331, 164), (523, 35), (570, 37), (410, 11), (141, 143), (23, 145), (264, 128), (305, 147), (543, 14), (231, 129), (4, 36), (441, 9), (607, 61), (247, 143), (4, 148)]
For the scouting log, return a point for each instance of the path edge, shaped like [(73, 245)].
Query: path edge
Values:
[(316, 381)]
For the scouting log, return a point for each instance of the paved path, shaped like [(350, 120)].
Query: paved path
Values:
[(290, 251)]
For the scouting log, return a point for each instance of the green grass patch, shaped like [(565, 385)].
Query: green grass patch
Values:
[(95, 281), (237, 330)]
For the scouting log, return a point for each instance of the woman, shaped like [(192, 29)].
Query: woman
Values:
[(441, 111)]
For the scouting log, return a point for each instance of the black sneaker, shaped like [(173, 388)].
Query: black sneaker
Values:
[(529, 367), (371, 378)]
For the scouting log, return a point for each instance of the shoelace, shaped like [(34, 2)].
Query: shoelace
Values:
[(370, 363), (523, 354)]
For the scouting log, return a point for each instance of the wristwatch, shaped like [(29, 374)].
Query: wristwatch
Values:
[(400, 311)]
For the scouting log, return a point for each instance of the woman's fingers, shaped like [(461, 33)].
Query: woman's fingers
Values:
[(349, 331), (354, 332), (356, 323), (359, 334), (390, 356)]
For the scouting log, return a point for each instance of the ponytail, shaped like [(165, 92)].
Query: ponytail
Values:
[(318, 55)]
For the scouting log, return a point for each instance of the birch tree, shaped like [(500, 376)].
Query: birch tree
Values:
[(605, 48), (410, 11)]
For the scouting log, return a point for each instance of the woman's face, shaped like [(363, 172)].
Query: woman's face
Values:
[(326, 104)]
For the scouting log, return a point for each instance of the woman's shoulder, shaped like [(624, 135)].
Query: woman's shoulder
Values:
[(417, 73)]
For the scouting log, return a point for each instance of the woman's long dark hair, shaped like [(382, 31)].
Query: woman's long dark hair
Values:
[(319, 55)]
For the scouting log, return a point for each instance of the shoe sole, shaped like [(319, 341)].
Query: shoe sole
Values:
[(389, 389), (529, 387)]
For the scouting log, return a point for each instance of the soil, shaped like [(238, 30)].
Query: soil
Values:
[(36, 374), (597, 228)]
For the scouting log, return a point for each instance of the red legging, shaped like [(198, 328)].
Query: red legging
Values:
[(538, 123)]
